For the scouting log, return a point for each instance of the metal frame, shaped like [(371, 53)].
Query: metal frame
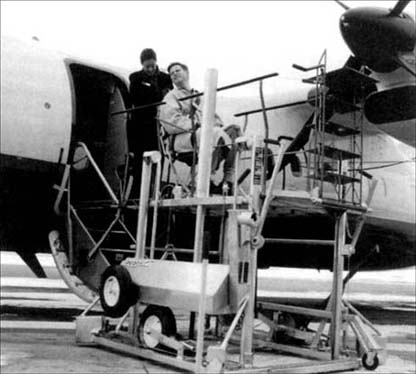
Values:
[(316, 165), (73, 212), (217, 356), (243, 236)]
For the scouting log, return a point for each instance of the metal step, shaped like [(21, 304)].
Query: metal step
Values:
[(175, 250), (299, 241), (118, 250), (334, 178), (339, 130), (347, 87), (348, 82), (334, 153), (102, 231)]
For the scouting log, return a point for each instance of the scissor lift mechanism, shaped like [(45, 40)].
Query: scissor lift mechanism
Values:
[(229, 287)]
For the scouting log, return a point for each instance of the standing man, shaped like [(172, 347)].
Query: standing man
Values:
[(147, 86)]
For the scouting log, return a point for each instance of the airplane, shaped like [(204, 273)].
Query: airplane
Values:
[(45, 112)]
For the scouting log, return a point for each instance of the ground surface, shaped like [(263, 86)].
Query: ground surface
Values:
[(37, 328)]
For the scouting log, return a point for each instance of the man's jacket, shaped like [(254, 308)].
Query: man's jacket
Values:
[(146, 89), (179, 118)]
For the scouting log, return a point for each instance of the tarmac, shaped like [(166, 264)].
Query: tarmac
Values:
[(37, 318)]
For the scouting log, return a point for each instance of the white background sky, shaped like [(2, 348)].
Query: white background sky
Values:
[(240, 39)]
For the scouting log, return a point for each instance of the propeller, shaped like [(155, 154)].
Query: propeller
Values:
[(377, 37), (398, 8), (339, 2), (382, 40)]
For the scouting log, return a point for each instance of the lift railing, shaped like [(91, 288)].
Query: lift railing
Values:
[(199, 94)]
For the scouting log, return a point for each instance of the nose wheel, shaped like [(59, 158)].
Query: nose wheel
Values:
[(156, 320)]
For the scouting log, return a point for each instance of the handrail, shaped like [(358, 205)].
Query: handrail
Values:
[(138, 108), (269, 194), (266, 133), (61, 189), (233, 85), (100, 174), (309, 68), (271, 108), (223, 88)]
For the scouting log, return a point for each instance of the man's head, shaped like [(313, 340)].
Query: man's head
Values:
[(179, 73), (148, 61)]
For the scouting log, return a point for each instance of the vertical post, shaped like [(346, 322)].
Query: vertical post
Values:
[(269, 193), (246, 346), (201, 318), (321, 72), (205, 155), (133, 316), (236, 173), (336, 320), (256, 188), (156, 196), (257, 166), (266, 135), (144, 202), (70, 231)]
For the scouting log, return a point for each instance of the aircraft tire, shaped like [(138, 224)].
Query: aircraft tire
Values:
[(159, 318), (117, 291)]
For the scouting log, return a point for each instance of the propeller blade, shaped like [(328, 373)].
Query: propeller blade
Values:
[(399, 7), (342, 4)]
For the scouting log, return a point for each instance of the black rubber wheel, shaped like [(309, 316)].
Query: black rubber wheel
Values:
[(370, 364), (159, 318), (117, 291)]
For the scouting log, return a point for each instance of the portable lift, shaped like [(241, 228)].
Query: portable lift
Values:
[(218, 290)]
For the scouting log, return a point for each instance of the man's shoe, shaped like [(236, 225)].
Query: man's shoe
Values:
[(214, 189), (224, 188)]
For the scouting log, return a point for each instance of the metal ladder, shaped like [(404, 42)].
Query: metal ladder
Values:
[(339, 167)]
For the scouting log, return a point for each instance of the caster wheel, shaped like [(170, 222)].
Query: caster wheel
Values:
[(370, 363), (160, 319), (117, 291)]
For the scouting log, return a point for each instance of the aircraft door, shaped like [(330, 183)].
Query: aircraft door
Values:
[(115, 150), (97, 94)]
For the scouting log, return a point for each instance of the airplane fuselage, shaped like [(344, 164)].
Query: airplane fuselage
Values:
[(50, 101)]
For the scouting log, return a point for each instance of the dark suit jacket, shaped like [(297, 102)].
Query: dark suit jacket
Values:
[(142, 128), (145, 89)]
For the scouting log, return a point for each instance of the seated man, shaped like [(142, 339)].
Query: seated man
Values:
[(181, 118)]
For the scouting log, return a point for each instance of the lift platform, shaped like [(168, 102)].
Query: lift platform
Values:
[(146, 291)]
